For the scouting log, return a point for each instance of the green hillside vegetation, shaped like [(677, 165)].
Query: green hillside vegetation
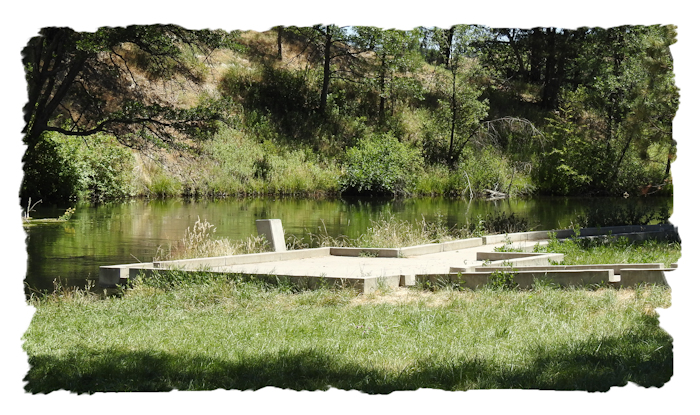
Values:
[(159, 111)]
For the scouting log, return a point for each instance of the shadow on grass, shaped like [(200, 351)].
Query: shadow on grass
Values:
[(595, 365)]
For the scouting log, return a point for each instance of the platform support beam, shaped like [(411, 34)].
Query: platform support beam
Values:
[(273, 232)]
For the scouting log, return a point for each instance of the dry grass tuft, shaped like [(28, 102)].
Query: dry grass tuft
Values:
[(199, 242)]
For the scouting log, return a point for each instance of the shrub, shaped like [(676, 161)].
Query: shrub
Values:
[(575, 162), (380, 164), (104, 166), (439, 180), (49, 174), (487, 169), (95, 167)]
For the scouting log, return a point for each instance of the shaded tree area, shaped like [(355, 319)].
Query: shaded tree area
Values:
[(83, 84), (562, 111)]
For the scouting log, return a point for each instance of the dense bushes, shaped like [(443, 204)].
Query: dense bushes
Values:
[(380, 164), (48, 174), (579, 160), (104, 168), (60, 168), (233, 163)]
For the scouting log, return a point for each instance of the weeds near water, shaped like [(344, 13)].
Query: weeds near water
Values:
[(67, 214), (199, 242), (62, 293), (391, 232), (498, 223), (30, 209)]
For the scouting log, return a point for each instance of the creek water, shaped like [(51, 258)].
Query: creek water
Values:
[(129, 232)]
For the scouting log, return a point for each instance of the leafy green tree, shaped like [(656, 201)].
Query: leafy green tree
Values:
[(612, 87), (544, 57), (630, 85), (328, 45), (80, 84), (461, 116), (459, 113), (574, 162), (395, 56)]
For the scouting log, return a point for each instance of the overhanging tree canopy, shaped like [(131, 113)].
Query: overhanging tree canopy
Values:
[(85, 83)]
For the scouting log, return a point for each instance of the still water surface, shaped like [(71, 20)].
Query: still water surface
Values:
[(132, 231)]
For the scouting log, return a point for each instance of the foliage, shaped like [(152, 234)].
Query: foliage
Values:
[(391, 232), (502, 280), (458, 114), (235, 164), (286, 97), (396, 53), (72, 76), (81, 84), (48, 174), (380, 164), (70, 167), (574, 162), (548, 110), (104, 169), (67, 214)]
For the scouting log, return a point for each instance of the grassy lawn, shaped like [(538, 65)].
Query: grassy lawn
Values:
[(233, 335), (615, 251)]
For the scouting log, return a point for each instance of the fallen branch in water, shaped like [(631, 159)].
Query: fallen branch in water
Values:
[(494, 194)]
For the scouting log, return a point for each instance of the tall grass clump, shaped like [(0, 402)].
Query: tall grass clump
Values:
[(479, 169), (387, 231), (155, 181), (199, 242), (238, 163)]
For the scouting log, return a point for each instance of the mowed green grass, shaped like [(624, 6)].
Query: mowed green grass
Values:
[(216, 332), (614, 251)]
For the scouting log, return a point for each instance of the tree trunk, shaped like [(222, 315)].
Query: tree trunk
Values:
[(382, 88), (453, 107), (510, 34), (536, 44), (47, 103), (446, 46), (280, 30), (326, 69), (550, 89)]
